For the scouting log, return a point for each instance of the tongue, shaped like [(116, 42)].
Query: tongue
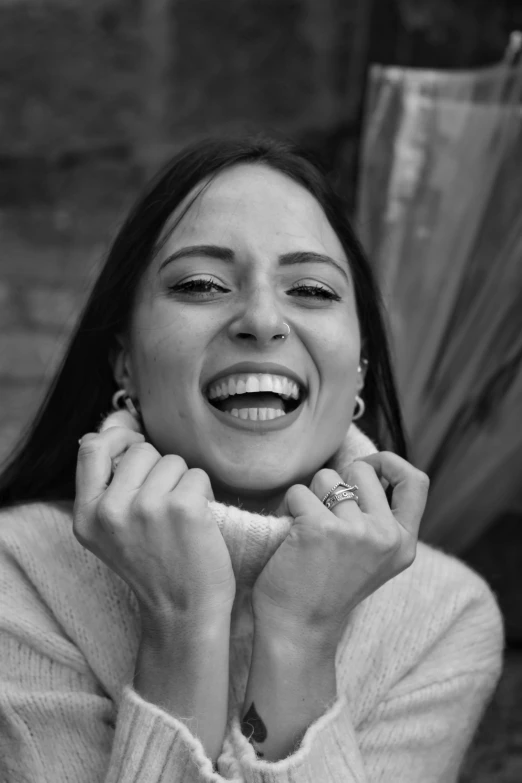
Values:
[(252, 400)]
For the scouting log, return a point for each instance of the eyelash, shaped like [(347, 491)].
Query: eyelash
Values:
[(322, 293)]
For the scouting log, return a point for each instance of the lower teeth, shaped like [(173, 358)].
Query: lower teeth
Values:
[(254, 414)]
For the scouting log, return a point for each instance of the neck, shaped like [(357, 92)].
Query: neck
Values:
[(255, 502)]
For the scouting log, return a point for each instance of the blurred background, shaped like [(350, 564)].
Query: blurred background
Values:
[(414, 106)]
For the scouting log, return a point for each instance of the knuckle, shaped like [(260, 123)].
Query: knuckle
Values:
[(200, 474), (408, 556), (80, 534), (390, 541), (324, 473), (176, 460), (145, 504), (393, 542), (112, 432), (423, 479), (322, 481), (408, 550), (79, 527), (357, 529), (383, 541), (88, 447), (181, 506), (359, 466), (109, 511), (179, 461), (143, 446)]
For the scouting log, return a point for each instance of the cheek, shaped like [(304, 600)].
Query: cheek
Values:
[(339, 357), (158, 362), (341, 343)]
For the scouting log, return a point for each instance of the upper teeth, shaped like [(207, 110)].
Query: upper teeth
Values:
[(240, 384)]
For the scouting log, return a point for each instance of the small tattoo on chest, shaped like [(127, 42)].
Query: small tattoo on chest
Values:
[(253, 727)]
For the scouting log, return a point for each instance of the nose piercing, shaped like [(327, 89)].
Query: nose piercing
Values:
[(284, 336)]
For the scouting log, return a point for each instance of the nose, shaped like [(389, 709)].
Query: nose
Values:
[(261, 319)]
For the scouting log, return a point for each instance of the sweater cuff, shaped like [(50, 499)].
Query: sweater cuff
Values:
[(152, 746), (328, 752)]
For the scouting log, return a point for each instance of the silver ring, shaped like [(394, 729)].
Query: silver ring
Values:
[(338, 497), (339, 484)]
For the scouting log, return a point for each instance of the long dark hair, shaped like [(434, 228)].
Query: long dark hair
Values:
[(43, 467)]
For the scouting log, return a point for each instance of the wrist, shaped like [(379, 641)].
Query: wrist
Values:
[(290, 685), (163, 632), (293, 636), (184, 669)]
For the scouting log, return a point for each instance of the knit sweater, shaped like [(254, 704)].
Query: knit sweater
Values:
[(417, 664)]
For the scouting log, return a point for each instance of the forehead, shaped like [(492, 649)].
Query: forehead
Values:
[(252, 202)]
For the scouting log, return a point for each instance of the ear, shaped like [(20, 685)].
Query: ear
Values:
[(361, 376), (120, 361)]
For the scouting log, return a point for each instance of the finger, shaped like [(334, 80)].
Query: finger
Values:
[(164, 476), (195, 483), (133, 468), (299, 501), (120, 419), (323, 482), (410, 487), (94, 467), (371, 494)]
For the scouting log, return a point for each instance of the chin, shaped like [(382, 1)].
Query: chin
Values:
[(250, 485)]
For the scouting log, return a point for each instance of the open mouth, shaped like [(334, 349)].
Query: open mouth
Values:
[(256, 405), (269, 401)]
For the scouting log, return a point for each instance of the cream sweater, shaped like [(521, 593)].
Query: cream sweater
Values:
[(416, 667)]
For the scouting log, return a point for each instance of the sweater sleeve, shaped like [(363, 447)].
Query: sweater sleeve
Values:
[(419, 730), (57, 720), (57, 725)]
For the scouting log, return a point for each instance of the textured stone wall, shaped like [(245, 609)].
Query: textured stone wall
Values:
[(39, 304), (49, 256)]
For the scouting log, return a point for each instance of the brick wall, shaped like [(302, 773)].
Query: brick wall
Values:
[(38, 307), (49, 257)]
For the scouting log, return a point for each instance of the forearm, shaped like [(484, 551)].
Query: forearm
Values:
[(187, 676), (289, 687)]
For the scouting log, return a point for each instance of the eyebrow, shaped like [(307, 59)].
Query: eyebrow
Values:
[(227, 255)]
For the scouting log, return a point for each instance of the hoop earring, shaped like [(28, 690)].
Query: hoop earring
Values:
[(362, 407), (122, 401)]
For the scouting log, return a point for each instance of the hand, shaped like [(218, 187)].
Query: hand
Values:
[(151, 525), (332, 560)]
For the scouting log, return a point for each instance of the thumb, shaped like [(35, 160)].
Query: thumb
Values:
[(375, 461), (120, 419), (297, 502)]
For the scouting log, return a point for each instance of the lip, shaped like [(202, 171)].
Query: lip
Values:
[(256, 367), (269, 425)]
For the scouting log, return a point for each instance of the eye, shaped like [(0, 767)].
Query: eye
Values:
[(316, 291), (198, 287), (202, 286)]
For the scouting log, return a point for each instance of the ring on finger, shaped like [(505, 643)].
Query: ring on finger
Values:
[(339, 484), (339, 496)]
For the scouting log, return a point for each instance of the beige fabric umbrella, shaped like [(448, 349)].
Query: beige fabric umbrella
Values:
[(440, 213)]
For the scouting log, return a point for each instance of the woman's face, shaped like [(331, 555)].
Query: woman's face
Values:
[(223, 298)]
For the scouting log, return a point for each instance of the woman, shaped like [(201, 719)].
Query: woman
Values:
[(215, 586)]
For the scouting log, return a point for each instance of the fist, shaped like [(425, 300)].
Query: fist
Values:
[(332, 560)]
